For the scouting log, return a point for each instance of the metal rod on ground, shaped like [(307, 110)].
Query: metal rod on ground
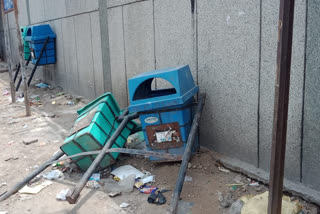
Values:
[(73, 195), (281, 101), (21, 59), (186, 156), (21, 184), (125, 151), (38, 60), (9, 54)]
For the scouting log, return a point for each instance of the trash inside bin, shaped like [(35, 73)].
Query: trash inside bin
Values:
[(26, 49), (36, 36), (94, 126), (165, 114)]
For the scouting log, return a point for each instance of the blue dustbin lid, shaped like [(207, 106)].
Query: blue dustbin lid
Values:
[(39, 32), (179, 77)]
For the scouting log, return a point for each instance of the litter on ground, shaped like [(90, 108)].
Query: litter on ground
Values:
[(35, 189), (124, 171), (259, 204)]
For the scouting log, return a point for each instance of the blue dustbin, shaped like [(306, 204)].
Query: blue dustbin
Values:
[(165, 114), (36, 36)]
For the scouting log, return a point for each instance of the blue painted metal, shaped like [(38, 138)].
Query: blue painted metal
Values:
[(143, 98), (164, 106), (36, 36)]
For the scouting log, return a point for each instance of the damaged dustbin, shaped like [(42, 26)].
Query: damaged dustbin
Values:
[(165, 114), (26, 49), (94, 126), (36, 36)]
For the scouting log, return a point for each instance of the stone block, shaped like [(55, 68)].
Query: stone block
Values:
[(270, 13), (138, 37), (117, 56), (311, 122), (228, 36), (70, 55), (174, 33), (82, 26), (96, 53)]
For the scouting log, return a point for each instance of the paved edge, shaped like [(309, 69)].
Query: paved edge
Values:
[(296, 189)]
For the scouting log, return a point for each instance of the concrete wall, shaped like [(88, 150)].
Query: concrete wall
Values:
[(79, 67), (231, 48), (311, 113)]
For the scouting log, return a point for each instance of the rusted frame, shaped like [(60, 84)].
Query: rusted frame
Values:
[(279, 135)]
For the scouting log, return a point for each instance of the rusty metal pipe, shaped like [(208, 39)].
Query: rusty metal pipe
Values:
[(281, 101), (186, 156), (125, 151)]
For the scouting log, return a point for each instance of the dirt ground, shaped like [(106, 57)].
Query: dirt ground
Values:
[(50, 123)]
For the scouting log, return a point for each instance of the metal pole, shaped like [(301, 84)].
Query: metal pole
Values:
[(16, 74), (281, 100), (21, 57), (169, 156), (21, 184), (73, 195), (186, 156), (18, 69), (9, 53)]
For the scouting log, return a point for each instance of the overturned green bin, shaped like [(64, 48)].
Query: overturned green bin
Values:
[(94, 126)]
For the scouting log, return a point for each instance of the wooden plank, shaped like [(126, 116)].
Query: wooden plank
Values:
[(21, 60)]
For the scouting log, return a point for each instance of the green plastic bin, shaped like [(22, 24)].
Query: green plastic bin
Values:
[(94, 126), (26, 48)]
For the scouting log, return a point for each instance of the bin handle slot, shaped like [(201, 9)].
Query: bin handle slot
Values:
[(29, 32), (145, 91)]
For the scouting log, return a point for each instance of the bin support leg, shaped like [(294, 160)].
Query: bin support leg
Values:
[(73, 195), (21, 184), (18, 69), (38, 60), (16, 74), (186, 156)]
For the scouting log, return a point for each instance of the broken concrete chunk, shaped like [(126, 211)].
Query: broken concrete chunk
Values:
[(29, 141), (51, 115), (114, 194)]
